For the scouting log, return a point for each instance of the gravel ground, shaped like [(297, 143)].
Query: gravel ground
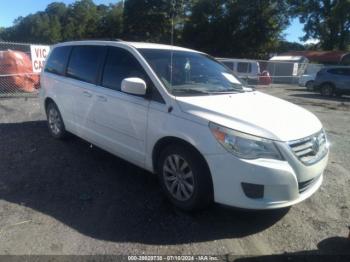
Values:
[(73, 198)]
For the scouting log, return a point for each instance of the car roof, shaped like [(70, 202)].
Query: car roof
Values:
[(334, 67), (137, 45)]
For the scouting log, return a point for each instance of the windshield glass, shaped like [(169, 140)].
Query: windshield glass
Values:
[(190, 73)]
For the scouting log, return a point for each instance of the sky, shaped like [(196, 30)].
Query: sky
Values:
[(11, 9), (294, 31)]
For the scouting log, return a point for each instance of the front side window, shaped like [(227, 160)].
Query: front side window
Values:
[(57, 61), (121, 64), (84, 63), (191, 73)]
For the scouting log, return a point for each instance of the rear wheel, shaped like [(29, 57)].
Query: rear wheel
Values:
[(55, 121), (184, 177), (310, 85), (327, 90)]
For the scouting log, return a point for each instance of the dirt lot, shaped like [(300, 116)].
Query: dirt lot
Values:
[(73, 198)]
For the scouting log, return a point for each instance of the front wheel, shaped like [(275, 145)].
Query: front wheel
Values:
[(310, 85), (185, 178)]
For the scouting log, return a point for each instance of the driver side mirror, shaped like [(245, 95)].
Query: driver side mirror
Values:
[(134, 86)]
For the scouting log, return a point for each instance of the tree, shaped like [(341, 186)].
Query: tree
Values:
[(222, 27), (149, 20), (2, 29), (41, 27), (111, 21), (80, 20), (326, 20), (236, 28), (285, 46)]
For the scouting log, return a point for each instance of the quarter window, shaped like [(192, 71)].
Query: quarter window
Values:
[(57, 61), (84, 63)]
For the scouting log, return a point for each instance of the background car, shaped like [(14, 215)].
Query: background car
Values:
[(308, 77), (333, 81), (247, 70)]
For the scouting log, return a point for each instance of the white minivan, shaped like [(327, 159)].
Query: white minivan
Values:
[(181, 114), (246, 69)]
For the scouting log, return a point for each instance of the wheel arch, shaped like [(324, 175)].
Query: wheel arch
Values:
[(47, 101), (170, 140), (309, 81), (328, 83)]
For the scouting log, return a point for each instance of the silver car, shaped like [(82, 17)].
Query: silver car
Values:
[(333, 81)]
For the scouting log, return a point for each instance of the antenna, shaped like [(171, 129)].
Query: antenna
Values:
[(172, 21), (172, 41)]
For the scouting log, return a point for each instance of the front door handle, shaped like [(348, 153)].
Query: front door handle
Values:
[(87, 94), (102, 98)]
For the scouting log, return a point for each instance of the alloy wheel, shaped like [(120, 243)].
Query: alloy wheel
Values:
[(327, 90), (55, 122), (178, 177)]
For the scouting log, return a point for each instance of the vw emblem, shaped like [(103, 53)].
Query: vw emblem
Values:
[(315, 145)]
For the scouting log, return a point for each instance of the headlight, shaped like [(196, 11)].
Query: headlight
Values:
[(243, 145)]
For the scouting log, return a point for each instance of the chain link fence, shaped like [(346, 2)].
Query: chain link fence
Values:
[(16, 74), (296, 71), (267, 72), (18, 79)]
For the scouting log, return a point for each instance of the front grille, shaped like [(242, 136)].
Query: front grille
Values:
[(311, 149)]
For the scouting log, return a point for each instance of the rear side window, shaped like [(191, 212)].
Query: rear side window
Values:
[(84, 63), (57, 61), (338, 71), (243, 67), (121, 64)]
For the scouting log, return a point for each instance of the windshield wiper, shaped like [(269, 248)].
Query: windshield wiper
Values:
[(190, 91), (227, 91)]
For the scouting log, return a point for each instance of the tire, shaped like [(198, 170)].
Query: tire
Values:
[(327, 90), (185, 177), (310, 85), (55, 122)]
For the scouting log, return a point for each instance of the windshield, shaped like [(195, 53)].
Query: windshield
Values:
[(190, 73)]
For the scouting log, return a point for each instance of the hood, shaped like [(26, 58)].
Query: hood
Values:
[(254, 113)]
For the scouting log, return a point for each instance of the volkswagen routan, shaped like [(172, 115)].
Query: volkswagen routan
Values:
[(186, 117)]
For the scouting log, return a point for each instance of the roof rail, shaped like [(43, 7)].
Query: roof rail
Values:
[(102, 39)]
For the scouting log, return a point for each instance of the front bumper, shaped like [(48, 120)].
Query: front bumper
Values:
[(281, 180)]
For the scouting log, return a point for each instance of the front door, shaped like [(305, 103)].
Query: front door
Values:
[(121, 119)]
